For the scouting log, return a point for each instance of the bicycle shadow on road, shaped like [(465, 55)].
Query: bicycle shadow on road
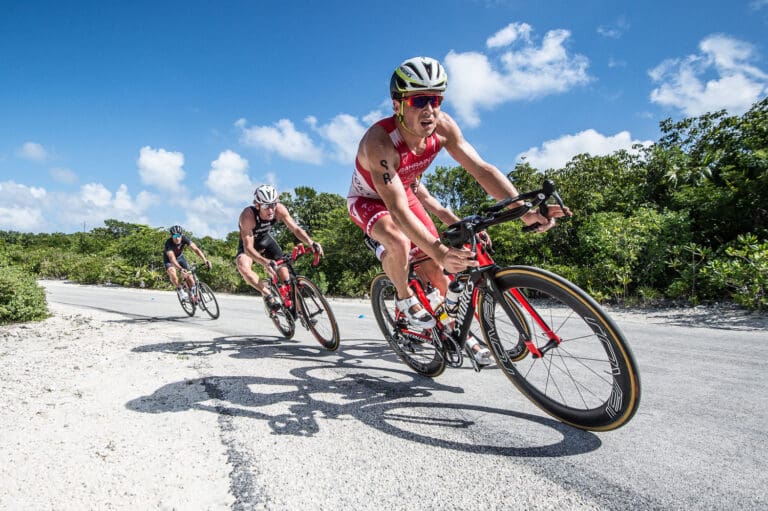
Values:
[(141, 318), (389, 399), (253, 346), (241, 346)]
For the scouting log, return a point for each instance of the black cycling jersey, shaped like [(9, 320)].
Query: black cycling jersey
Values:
[(177, 250), (263, 241)]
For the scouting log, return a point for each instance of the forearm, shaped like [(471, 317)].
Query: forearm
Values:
[(418, 233), (446, 216), (254, 254), (302, 236), (494, 182)]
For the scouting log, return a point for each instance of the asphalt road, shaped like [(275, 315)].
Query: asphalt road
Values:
[(303, 428)]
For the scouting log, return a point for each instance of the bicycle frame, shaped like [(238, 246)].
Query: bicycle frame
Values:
[(287, 262), (476, 278)]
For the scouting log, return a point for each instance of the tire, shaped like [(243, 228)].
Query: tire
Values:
[(282, 317), (318, 314), (590, 379), (187, 305), (422, 357), (207, 300)]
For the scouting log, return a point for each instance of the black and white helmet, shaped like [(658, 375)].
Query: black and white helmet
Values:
[(417, 74), (176, 229), (265, 194)]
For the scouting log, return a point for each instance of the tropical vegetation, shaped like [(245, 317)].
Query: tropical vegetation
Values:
[(685, 218)]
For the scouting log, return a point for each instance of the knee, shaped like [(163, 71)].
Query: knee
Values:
[(244, 267), (396, 242)]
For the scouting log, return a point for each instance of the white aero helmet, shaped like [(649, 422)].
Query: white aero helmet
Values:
[(417, 74), (265, 194)]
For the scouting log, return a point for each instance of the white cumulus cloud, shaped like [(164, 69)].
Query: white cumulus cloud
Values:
[(32, 209), (523, 71), (509, 35), (343, 134), (208, 216), (161, 168), (282, 138), (32, 151), (554, 154), (721, 76), (228, 178), (21, 207), (95, 194)]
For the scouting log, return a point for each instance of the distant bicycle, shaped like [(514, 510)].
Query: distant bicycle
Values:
[(202, 296), (301, 299)]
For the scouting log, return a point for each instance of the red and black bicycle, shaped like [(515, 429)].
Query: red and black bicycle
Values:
[(549, 337), (301, 299)]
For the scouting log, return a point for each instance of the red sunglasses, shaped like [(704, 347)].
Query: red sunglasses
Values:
[(423, 100)]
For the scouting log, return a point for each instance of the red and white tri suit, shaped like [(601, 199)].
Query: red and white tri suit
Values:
[(363, 201)]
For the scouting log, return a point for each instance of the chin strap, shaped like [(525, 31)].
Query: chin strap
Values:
[(401, 120)]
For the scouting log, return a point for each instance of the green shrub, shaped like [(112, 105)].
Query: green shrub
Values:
[(743, 270), (620, 253), (88, 269), (687, 260), (21, 299)]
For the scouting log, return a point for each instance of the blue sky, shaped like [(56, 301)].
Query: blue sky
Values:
[(170, 112)]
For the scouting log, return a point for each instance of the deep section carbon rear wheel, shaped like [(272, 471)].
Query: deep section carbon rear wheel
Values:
[(420, 354)]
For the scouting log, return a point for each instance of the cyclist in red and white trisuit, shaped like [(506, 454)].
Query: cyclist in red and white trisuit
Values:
[(391, 157)]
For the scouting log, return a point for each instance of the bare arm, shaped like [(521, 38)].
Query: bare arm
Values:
[(284, 216), (488, 176), (197, 251), (433, 205), (247, 223)]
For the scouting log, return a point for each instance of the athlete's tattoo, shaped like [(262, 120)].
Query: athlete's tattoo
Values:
[(384, 164), (387, 178)]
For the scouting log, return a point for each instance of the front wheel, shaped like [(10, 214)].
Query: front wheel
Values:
[(281, 317), (317, 314), (418, 353), (186, 302), (589, 379), (207, 300)]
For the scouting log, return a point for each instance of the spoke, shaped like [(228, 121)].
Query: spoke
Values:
[(580, 360), (578, 386)]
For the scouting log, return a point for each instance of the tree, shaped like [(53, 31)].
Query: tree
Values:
[(721, 173)]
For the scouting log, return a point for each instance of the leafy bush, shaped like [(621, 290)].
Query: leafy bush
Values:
[(223, 275), (626, 252), (687, 260), (89, 269), (743, 270), (21, 299)]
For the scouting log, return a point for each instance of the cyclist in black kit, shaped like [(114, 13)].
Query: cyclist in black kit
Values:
[(257, 244), (173, 257)]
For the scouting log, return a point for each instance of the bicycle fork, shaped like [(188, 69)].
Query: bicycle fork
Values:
[(553, 340)]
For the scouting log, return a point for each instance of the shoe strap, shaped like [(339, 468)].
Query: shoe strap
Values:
[(411, 306), (471, 342)]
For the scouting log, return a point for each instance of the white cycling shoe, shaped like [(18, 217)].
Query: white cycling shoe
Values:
[(415, 313), (483, 355)]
